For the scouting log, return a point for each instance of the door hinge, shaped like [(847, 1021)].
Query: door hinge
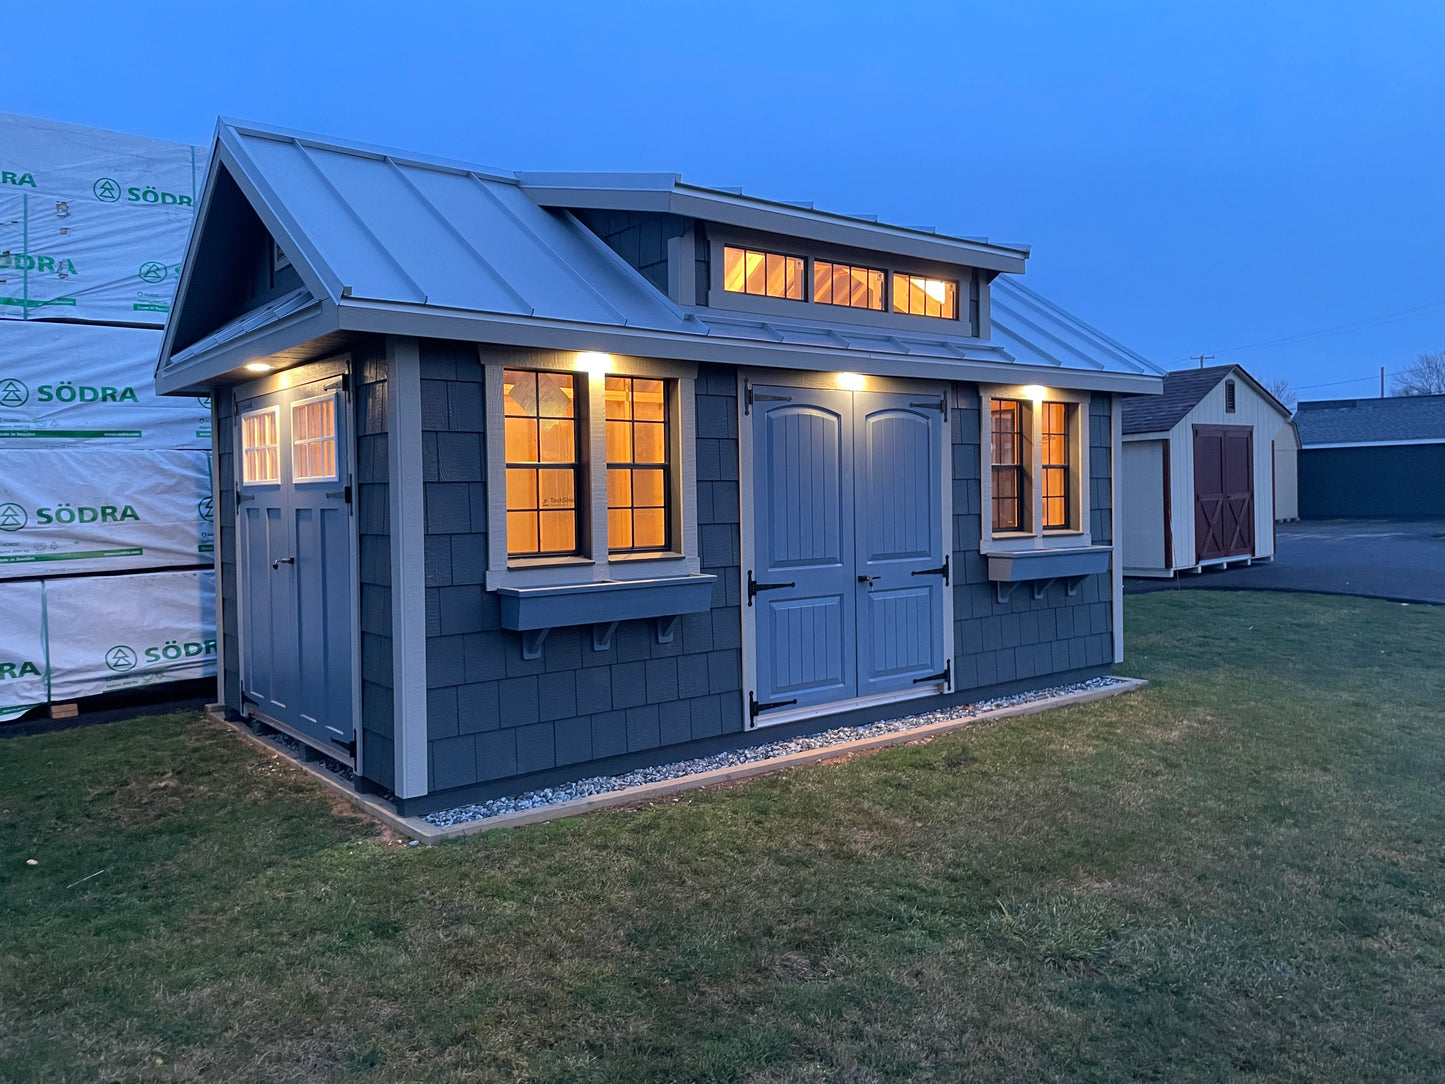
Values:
[(945, 675), (343, 384), (749, 395), (756, 706), (343, 492), (941, 570), (349, 746), (754, 587), (941, 405), (243, 497)]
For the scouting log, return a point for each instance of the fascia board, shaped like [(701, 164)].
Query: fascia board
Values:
[(600, 199), (399, 319), (200, 372), (319, 278), (1372, 444), (364, 150)]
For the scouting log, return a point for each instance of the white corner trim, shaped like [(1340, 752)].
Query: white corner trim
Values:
[(408, 564), (1116, 559)]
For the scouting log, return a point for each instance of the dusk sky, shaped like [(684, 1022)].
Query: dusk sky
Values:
[(1192, 178)]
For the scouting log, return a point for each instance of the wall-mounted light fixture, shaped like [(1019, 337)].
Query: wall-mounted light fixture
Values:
[(593, 362), (257, 367), (1036, 392), (850, 381)]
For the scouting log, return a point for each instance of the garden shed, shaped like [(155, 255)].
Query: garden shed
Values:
[(1198, 473), (522, 478), (1372, 458)]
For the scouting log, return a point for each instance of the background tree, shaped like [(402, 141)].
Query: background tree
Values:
[(1426, 376), (1281, 390)]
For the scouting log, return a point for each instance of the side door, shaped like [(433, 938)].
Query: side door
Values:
[(901, 560), (1239, 489), (802, 583)]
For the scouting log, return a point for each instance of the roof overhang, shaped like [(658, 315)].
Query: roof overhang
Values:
[(665, 193), (1372, 444)]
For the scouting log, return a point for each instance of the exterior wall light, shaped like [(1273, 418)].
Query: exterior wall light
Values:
[(1036, 392), (592, 362), (850, 381), (257, 367)]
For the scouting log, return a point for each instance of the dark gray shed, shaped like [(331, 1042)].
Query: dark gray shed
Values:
[(1372, 458), (527, 477)]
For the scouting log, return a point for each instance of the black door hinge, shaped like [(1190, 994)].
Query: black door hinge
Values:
[(344, 492), (349, 746), (941, 570), (945, 675), (755, 706), (243, 497), (941, 406), (749, 395), (754, 587)]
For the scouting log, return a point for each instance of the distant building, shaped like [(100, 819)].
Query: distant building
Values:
[(1372, 458)]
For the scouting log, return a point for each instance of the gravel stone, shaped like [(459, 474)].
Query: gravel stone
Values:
[(605, 784)]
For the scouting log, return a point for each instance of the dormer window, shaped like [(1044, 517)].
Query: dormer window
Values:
[(763, 274), (920, 296), (842, 284)]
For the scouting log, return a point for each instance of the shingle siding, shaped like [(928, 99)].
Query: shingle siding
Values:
[(638, 237)]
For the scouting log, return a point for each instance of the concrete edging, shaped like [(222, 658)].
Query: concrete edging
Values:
[(426, 832)]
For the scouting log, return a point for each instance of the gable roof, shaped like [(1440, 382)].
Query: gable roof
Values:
[(1185, 389), (666, 193), (1399, 419), (393, 243)]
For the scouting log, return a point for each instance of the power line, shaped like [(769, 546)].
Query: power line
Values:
[(1322, 332)]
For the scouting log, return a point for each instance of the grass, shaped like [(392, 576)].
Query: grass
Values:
[(1235, 875)]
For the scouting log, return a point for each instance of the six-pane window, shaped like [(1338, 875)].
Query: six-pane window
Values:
[(1055, 466), (766, 274), (841, 284), (1008, 464), (637, 465), (313, 440), (542, 463), (921, 296), (261, 446)]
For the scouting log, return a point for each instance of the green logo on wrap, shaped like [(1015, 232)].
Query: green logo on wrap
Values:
[(206, 508), (153, 271), (120, 658), (10, 671), (17, 178), (13, 393), (24, 261), (12, 517), (106, 190)]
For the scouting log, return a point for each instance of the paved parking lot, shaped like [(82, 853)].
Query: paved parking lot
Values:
[(1393, 559)]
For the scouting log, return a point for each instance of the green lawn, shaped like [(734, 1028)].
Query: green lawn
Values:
[(1235, 875)]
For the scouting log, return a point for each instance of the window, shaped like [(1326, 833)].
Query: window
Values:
[(1055, 465), (313, 440), (841, 284), (766, 274), (637, 465), (542, 463), (919, 296), (261, 446), (1009, 428)]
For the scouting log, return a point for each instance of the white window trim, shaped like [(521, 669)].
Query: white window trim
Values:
[(332, 477), (275, 412), (595, 565), (1036, 538)]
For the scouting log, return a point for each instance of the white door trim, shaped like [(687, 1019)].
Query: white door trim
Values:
[(408, 565)]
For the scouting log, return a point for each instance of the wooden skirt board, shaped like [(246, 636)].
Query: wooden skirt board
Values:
[(1223, 491)]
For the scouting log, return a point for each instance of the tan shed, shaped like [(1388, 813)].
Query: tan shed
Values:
[(1199, 473), (1286, 473)]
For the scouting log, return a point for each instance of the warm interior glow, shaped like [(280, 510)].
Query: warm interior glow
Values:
[(850, 381), (591, 361), (257, 367), (1035, 392), (936, 290)]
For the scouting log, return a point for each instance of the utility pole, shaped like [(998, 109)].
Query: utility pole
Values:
[(1201, 358), (1382, 381)]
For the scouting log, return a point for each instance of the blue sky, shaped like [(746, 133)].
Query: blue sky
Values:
[(1192, 177)]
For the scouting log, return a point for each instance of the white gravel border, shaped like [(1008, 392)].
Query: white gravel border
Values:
[(539, 800)]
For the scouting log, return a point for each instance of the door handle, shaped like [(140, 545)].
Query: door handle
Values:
[(869, 580), (282, 561)]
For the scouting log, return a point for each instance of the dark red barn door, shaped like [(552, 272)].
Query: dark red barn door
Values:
[(1223, 491)]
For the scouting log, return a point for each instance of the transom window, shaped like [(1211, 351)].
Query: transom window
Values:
[(765, 274), (542, 463), (638, 468), (261, 446), (1055, 465), (843, 284), (1009, 430), (920, 296), (313, 440)]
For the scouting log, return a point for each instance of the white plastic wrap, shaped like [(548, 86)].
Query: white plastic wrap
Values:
[(23, 682), (123, 632), (67, 384), (103, 509)]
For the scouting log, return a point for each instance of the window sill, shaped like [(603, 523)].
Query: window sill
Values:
[(547, 562)]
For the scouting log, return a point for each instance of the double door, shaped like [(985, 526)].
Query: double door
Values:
[(1223, 491), (845, 591), (294, 536)]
